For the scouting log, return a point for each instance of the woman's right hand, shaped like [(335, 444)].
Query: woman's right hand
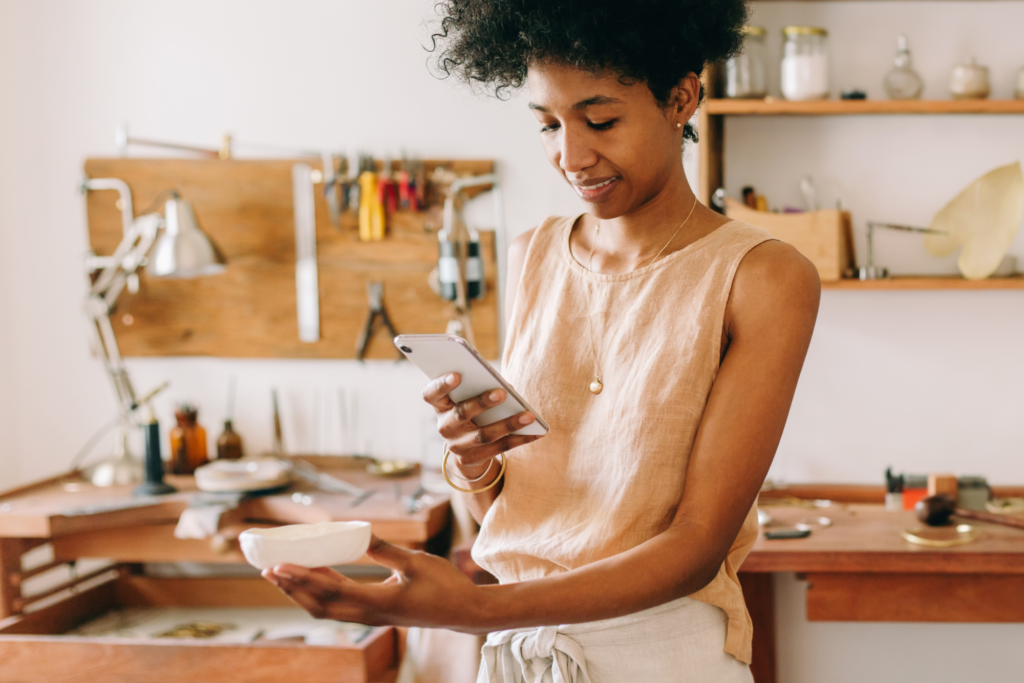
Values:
[(473, 446)]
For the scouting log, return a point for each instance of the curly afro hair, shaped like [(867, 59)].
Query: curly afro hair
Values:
[(657, 42)]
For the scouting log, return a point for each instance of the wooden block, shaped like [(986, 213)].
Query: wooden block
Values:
[(249, 311), (916, 597), (824, 237), (939, 484), (28, 658)]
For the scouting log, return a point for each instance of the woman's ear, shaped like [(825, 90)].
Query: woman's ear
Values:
[(687, 96)]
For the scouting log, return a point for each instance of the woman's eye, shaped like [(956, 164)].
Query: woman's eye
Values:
[(549, 128), (604, 125)]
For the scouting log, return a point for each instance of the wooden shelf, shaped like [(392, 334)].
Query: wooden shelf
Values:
[(927, 283), (774, 107)]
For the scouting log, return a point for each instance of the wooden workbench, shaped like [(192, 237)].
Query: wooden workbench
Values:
[(861, 569), (70, 516)]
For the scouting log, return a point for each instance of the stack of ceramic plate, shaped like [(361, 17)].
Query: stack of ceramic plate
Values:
[(222, 476)]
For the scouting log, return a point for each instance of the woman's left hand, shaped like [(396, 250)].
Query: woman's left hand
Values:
[(423, 590)]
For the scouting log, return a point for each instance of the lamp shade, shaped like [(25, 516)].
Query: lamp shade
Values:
[(184, 250)]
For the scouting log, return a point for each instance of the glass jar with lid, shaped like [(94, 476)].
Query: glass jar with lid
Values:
[(745, 72), (804, 73)]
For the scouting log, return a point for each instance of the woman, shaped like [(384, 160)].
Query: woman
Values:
[(660, 341)]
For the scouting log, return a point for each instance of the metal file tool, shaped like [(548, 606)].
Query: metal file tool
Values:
[(306, 277)]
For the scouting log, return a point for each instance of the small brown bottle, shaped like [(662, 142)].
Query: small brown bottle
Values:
[(188, 441), (229, 443)]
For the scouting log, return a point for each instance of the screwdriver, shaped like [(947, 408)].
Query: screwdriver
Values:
[(371, 212), (386, 188)]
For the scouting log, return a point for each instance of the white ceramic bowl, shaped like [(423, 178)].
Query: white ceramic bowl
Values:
[(306, 545), (222, 476)]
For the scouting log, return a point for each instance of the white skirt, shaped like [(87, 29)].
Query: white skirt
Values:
[(682, 640)]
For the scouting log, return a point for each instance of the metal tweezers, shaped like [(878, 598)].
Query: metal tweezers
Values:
[(326, 482), (375, 294)]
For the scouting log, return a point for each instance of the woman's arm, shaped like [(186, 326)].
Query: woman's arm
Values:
[(771, 316), (769, 320)]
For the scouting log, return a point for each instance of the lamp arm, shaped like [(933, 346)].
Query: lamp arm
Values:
[(105, 346), (454, 226), (129, 255), (125, 193)]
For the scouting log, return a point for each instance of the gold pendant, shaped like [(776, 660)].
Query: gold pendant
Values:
[(596, 386)]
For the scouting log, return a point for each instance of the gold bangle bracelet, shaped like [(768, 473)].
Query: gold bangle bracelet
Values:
[(487, 470), (444, 471)]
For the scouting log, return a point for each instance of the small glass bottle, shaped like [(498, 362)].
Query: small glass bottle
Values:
[(745, 71), (902, 82), (188, 441), (229, 444), (804, 63)]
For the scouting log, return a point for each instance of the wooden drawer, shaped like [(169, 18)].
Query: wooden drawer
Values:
[(33, 649)]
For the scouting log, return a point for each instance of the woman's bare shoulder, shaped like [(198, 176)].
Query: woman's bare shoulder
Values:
[(775, 281), (517, 250), (516, 260)]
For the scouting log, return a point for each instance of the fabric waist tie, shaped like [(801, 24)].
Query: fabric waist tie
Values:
[(680, 640), (535, 655)]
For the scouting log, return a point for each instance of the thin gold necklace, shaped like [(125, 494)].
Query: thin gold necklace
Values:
[(597, 386)]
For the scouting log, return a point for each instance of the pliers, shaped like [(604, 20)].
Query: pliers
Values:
[(375, 295)]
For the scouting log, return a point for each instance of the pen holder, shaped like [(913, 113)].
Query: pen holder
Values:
[(824, 237)]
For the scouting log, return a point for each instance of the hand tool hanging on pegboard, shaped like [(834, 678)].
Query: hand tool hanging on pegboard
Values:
[(377, 312), (371, 210), (335, 186), (460, 270)]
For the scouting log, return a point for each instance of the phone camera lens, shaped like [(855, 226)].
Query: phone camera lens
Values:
[(406, 349)]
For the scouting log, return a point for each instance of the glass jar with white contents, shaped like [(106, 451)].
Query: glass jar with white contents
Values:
[(745, 71), (805, 63)]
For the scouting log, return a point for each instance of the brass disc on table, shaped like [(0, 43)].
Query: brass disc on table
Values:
[(390, 468), (941, 536)]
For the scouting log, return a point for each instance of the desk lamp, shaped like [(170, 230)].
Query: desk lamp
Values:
[(182, 251)]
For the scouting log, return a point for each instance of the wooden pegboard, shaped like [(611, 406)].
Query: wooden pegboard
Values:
[(249, 311)]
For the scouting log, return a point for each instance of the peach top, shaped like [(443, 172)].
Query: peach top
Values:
[(609, 475)]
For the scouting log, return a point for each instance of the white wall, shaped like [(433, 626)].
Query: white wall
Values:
[(918, 380), (337, 75), (12, 45), (924, 381)]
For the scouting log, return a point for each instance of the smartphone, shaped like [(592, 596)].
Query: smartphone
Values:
[(439, 354), (787, 533)]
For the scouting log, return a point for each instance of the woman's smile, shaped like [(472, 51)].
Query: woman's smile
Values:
[(596, 190)]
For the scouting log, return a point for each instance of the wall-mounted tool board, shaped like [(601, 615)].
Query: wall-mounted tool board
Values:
[(249, 311)]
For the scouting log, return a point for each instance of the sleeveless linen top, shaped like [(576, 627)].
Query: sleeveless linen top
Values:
[(609, 475)]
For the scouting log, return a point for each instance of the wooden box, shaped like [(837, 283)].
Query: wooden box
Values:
[(33, 649), (824, 237)]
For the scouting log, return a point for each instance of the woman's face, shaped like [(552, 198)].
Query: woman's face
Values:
[(613, 143)]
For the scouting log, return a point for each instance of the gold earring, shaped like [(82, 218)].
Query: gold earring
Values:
[(678, 125)]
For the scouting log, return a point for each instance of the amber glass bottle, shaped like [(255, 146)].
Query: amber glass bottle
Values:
[(229, 445), (188, 442)]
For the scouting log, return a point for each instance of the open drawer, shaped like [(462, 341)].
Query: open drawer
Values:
[(48, 645)]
